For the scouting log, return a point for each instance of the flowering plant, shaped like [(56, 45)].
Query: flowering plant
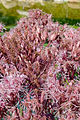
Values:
[(40, 70)]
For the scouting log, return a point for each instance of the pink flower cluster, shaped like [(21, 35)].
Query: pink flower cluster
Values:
[(43, 81)]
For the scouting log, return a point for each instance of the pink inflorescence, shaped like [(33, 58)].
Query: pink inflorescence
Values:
[(39, 81)]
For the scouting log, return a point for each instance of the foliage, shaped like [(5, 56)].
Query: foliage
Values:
[(40, 70)]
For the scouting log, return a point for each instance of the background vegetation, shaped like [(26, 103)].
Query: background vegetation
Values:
[(61, 12)]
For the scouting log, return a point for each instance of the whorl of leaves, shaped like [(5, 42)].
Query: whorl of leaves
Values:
[(51, 73)]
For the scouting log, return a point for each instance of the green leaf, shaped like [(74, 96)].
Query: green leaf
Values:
[(56, 65), (78, 69), (66, 81), (56, 118), (21, 111), (2, 33), (58, 76), (76, 74), (45, 45), (50, 45)]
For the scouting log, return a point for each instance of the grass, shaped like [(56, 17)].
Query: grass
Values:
[(9, 27), (2, 33), (74, 26), (61, 12)]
